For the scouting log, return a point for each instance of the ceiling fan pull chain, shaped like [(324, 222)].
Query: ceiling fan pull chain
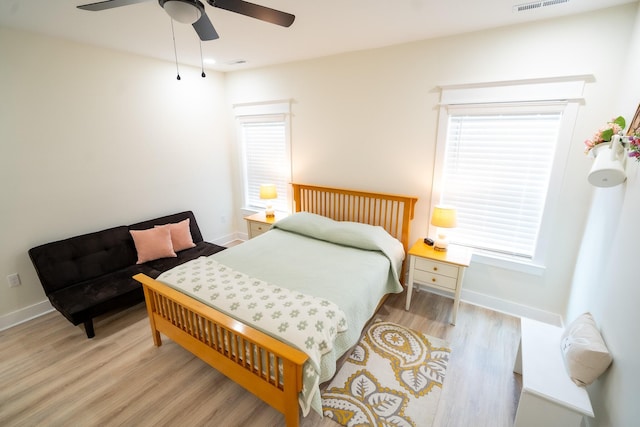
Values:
[(175, 51), (202, 61)]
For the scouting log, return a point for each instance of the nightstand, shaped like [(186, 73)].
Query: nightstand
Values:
[(259, 223), (438, 270)]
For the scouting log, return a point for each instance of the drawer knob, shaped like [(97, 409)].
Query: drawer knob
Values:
[(435, 268), (433, 279)]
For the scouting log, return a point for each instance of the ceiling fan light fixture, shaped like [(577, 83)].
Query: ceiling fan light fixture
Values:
[(185, 11)]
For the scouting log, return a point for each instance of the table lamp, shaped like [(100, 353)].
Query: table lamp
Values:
[(442, 217), (268, 192)]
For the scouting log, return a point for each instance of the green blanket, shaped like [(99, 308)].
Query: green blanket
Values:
[(308, 323), (353, 265)]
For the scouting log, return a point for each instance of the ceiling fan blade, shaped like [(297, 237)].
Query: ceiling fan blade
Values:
[(108, 4), (204, 28), (252, 10)]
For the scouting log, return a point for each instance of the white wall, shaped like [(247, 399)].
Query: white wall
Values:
[(607, 280), (91, 138), (368, 120)]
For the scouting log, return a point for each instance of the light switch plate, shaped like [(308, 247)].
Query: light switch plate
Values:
[(13, 280)]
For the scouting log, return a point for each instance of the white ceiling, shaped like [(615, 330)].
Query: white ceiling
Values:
[(322, 27)]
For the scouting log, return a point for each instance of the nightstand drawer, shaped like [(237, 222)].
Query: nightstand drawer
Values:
[(258, 228), (259, 223), (436, 267), (438, 280)]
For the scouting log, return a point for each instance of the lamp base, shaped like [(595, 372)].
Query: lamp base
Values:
[(269, 212), (441, 243)]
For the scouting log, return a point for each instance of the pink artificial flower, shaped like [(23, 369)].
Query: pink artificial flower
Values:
[(610, 129), (634, 147)]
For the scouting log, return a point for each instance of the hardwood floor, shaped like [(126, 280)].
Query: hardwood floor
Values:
[(51, 374)]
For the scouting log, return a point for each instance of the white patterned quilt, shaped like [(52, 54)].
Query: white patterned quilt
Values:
[(306, 322)]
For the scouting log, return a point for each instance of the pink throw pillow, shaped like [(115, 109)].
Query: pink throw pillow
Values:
[(180, 235), (153, 243)]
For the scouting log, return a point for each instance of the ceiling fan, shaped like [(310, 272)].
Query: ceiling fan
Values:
[(192, 12)]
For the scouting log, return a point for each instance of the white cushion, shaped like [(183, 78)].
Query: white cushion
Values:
[(586, 356)]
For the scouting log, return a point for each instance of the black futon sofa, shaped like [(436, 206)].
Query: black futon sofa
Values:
[(89, 275)]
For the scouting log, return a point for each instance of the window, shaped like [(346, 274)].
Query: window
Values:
[(496, 173), (263, 131), (499, 161)]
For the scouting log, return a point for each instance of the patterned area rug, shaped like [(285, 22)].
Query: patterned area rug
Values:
[(393, 377)]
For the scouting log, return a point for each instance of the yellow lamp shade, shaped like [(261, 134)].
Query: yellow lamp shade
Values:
[(444, 217), (268, 191)]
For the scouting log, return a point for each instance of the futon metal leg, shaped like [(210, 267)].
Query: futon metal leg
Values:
[(88, 327)]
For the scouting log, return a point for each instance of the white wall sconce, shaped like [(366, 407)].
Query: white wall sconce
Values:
[(608, 169)]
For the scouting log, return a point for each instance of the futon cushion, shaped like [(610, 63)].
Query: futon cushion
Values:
[(193, 225), (164, 264), (70, 261), (585, 354), (86, 300), (153, 243)]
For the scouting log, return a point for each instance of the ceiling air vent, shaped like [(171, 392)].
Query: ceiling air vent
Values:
[(537, 5)]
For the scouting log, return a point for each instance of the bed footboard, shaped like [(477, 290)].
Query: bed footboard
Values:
[(261, 364)]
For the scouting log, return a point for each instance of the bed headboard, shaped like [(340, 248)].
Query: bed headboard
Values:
[(391, 211)]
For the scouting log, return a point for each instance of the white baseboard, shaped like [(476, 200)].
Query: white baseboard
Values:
[(25, 314), (229, 238), (504, 306), (511, 308)]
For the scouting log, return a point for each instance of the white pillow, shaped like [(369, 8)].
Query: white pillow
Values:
[(586, 356)]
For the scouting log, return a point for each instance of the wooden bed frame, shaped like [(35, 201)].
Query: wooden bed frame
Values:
[(207, 333)]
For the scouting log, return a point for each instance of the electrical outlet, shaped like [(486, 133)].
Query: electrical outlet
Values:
[(13, 280)]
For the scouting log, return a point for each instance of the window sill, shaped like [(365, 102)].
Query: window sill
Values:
[(250, 211), (508, 263)]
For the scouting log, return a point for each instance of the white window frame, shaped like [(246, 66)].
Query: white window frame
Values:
[(273, 111), (564, 94)]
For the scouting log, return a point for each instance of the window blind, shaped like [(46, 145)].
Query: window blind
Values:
[(496, 174), (265, 152)]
